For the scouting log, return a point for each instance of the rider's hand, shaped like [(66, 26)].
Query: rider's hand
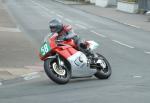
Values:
[(65, 38), (84, 45)]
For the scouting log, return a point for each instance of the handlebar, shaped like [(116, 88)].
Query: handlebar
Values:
[(59, 40)]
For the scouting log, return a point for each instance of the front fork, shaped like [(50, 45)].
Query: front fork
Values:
[(59, 61), (55, 57)]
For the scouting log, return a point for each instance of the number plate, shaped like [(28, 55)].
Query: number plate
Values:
[(45, 48)]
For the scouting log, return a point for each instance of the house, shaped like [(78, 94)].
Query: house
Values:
[(130, 6), (144, 5)]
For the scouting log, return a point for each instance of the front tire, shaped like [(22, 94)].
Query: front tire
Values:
[(52, 70), (103, 73)]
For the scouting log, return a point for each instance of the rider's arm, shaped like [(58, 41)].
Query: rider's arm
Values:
[(69, 32), (70, 35)]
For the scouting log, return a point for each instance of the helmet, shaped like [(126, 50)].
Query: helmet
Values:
[(55, 25)]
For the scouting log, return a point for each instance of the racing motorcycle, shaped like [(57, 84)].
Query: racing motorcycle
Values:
[(62, 61)]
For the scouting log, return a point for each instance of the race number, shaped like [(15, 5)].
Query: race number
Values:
[(44, 49)]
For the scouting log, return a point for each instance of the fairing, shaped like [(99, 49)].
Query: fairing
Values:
[(93, 45), (80, 66)]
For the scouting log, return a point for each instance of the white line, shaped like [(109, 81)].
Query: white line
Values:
[(52, 12), (132, 25), (10, 29), (59, 15), (31, 77), (43, 15), (98, 34), (1, 83), (147, 52), (68, 20), (60, 12), (81, 26), (40, 5), (46, 9), (85, 24), (47, 14), (123, 44), (30, 74), (137, 76)]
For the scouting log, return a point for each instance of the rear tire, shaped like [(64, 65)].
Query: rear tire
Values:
[(53, 75), (103, 73)]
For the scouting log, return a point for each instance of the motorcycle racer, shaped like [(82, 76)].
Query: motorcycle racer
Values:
[(65, 32), (63, 60)]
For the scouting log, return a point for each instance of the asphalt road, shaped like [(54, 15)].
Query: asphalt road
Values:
[(126, 48)]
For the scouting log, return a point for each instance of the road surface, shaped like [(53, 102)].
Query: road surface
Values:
[(127, 48)]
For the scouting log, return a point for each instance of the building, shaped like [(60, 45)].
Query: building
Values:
[(142, 5)]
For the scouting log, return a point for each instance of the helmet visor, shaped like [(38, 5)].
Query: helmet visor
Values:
[(53, 29)]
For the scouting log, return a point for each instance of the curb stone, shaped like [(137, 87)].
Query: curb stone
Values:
[(14, 75), (22, 78), (70, 2)]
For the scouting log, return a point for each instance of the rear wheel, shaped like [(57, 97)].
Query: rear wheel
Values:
[(59, 74), (104, 70)]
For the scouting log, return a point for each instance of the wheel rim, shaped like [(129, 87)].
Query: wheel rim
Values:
[(103, 64), (59, 70)]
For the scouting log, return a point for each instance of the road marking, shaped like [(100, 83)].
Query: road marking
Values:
[(10, 29), (31, 76), (38, 68), (40, 5), (1, 83), (81, 26), (52, 12), (46, 9), (68, 20), (98, 34), (123, 44), (59, 15), (85, 24), (132, 25), (44, 14), (147, 52), (47, 14), (137, 76)]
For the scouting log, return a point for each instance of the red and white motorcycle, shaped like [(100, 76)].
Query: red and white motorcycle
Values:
[(62, 61)]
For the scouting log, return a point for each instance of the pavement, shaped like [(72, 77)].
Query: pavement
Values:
[(134, 20), (13, 46)]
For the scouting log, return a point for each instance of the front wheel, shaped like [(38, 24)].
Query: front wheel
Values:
[(104, 70), (59, 74)]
